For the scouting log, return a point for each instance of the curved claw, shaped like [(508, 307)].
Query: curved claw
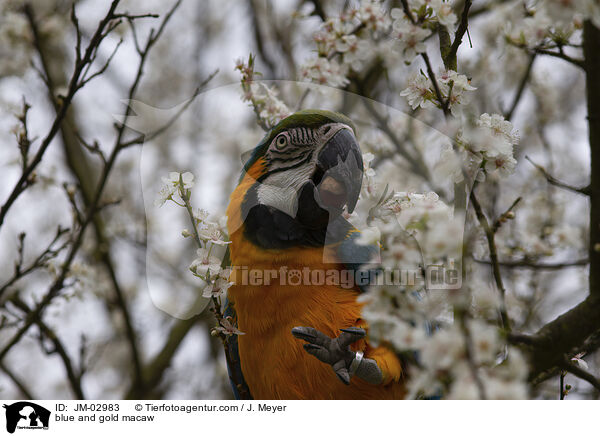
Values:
[(350, 335), (342, 372), (310, 335), (332, 351)]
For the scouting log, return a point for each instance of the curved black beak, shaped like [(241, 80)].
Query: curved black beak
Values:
[(340, 159)]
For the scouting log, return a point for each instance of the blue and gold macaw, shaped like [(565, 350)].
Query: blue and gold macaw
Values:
[(302, 341)]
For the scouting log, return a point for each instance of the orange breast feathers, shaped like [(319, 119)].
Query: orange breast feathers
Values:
[(274, 363)]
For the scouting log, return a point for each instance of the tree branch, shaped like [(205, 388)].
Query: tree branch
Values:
[(586, 190), (160, 130), (82, 170), (591, 50), (450, 61), (560, 55), (522, 84), (25, 179), (490, 236), (74, 376), (57, 285), (50, 252), (581, 373)]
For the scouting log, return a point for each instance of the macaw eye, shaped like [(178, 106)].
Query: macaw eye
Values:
[(281, 142)]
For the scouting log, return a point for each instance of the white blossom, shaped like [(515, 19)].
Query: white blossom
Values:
[(355, 51), (172, 184), (485, 341), (205, 264), (269, 108), (499, 126), (210, 232), (407, 337), (531, 31), (453, 86), (372, 15), (444, 13), (227, 328), (443, 349), (411, 37), (493, 139), (325, 72), (165, 194), (200, 215), (580, 362), (418, 93), (217, 288)]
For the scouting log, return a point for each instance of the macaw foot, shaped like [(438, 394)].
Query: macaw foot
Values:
[(336, 352)]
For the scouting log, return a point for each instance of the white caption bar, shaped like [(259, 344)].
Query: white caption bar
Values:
[(166, 418)]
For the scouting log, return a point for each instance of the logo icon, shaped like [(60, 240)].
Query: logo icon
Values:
[(26, 415)]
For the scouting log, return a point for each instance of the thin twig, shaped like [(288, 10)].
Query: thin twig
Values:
[(490, 236), (58, 284), (25, 179), (86, 79), (585, 190), (149, 136), (92, 148), (74, 376), (577, 62), (581, 373), (522, 84), (444, 103), (50, 252), (506, 215)]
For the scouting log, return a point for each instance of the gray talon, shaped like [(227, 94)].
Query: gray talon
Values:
[(336, 352)]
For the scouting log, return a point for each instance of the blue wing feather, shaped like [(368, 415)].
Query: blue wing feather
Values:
[(234, 367), (363, 260)]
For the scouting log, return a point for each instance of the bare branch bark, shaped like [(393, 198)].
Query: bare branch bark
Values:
[(569, 331), (25, 179), (450, 61), (591, 49), (91, 211), (85, 173)]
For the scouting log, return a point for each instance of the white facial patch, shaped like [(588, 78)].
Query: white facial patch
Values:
[(280, 190)]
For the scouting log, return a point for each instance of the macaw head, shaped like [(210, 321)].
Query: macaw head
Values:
[(302, 175)]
